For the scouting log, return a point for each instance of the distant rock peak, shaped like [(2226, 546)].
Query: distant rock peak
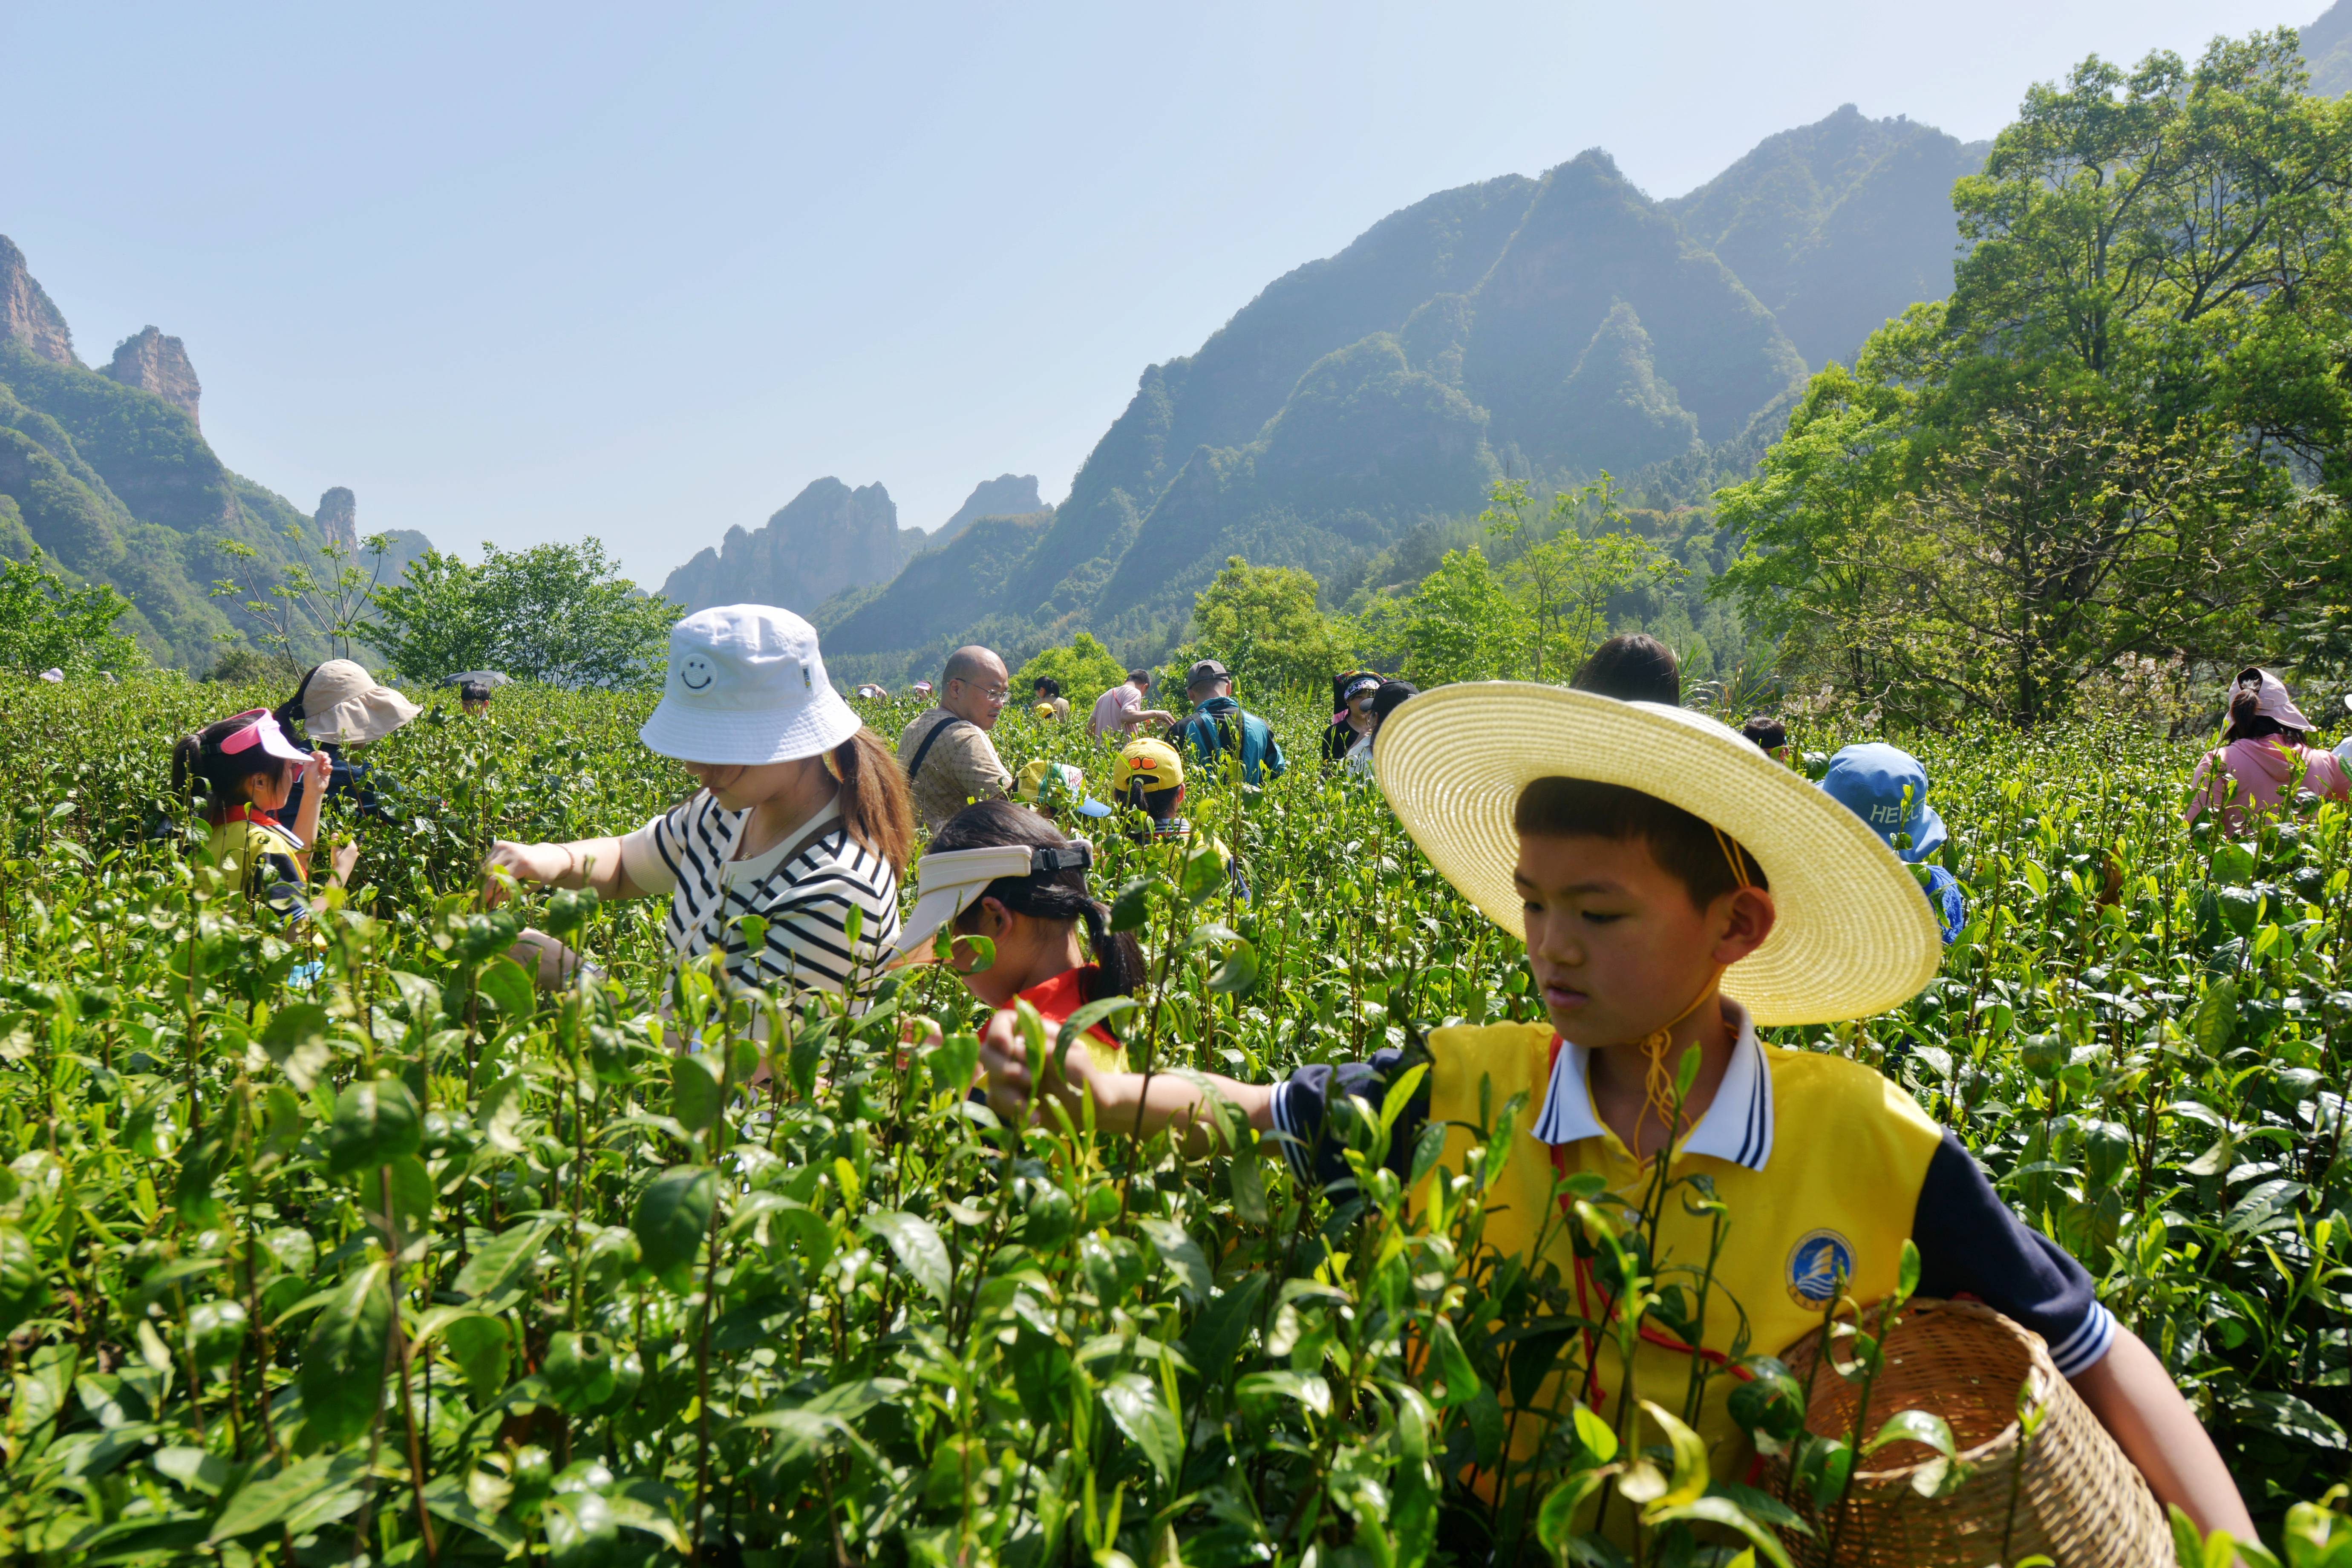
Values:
[(26, 313), (154, 363), (1007, 495), (339, 510)]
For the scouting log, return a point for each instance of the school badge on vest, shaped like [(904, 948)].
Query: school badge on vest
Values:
[(1818, 1265)]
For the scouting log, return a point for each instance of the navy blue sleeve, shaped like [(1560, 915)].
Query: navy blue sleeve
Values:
[(1970, 1243), (1943, 897), (1302, 1105)]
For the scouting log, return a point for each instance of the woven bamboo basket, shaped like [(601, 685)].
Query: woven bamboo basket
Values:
[(2075, 1496)]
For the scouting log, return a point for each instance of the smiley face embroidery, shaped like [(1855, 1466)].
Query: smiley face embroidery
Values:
[(696, 673)]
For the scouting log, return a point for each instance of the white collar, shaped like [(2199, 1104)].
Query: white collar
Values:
[(1737, 1125)]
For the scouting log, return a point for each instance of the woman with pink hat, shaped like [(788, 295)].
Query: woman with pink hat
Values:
[(2263, 759)]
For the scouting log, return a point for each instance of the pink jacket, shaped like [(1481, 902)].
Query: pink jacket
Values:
[(2262, 771)]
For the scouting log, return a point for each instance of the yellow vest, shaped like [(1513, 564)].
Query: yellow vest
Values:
[(1836, 1195)]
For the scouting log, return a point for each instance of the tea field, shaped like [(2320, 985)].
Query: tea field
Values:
[(350, 1249)]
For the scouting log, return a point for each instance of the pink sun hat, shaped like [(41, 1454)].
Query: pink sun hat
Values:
[(2271, 699)]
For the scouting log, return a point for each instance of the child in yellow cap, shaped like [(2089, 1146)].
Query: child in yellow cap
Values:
[(1675, 887)]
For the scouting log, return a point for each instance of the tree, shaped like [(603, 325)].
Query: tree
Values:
[(308, 606), (1262, 623), (1085, 669), (46, 624), (2151, 311), (1461, 624), (559, 614), (1562, 580)]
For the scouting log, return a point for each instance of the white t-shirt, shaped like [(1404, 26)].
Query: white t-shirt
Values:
[(1110, 709), (688, 854)]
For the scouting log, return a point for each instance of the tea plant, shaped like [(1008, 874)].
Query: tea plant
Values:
[(402, 1261)]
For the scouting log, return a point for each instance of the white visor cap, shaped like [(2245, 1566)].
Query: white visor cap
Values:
[(950, 881)]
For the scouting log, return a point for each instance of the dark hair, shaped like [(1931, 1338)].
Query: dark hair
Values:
[(198, 758), (1159, 803), (1685, 846), (1391, 696), (2247, 724), (1046, 684), (1634, 667), (1339, 684), (289, 713), (874, 797), (1139, 676), (474, 691), (1766, 731), (1057, 896)]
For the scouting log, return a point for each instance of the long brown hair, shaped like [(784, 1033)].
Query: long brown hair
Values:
[(874, 797)]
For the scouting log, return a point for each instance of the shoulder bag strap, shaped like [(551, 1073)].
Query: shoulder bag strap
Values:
[(925, 748)]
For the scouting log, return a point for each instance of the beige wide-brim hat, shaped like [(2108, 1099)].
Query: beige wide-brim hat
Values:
[(342, 704), (1854, 935)]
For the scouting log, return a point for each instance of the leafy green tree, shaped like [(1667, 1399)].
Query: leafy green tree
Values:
[(1461, 624), (308, 606), (1086, 670), (1561, 581), (1263, 623), (2151, 311), (557, 614), (46, 624)]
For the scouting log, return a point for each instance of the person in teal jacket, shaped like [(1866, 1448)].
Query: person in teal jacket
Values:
[(1220, 728)]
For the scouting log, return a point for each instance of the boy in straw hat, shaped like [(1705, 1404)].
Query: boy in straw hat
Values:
[(1676, 888)]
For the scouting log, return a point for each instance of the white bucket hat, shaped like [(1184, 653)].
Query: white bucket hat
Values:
[(746, 685), (1852, 936), (342, 704)]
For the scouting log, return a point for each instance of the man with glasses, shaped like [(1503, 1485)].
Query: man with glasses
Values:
[(949, 758)]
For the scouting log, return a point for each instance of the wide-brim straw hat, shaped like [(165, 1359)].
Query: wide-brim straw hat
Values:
[(341, 702), (1854, 934)]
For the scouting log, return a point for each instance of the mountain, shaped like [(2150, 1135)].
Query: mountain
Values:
[(108, 473), (1007, 495), (830, 541), (1838, 226), (2328, 50)]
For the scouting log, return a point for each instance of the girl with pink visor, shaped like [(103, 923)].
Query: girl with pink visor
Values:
[(249, 767)]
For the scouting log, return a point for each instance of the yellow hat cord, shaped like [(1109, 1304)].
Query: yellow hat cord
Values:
[(1658, 1078)]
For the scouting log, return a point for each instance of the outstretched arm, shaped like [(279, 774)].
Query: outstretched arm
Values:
[(2136, 1400), (1166, 1100), (583, 863)]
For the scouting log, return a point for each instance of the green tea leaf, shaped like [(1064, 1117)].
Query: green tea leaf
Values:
[(1135, 1406), (376, 1121), (342, 1366), (674, 1216), (918, 1247)]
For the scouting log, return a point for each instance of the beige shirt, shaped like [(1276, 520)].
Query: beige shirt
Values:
[(960, 768)]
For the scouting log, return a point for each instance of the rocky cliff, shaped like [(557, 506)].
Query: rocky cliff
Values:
[(154, 363), (825, 538), (26, 314), (1007, 495), (107, 475)]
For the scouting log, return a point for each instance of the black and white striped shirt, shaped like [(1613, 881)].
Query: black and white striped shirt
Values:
[(806, 901)]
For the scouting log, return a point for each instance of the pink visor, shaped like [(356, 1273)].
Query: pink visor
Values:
[(262, 731)]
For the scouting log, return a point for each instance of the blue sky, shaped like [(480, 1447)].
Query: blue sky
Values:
[(519, 273)]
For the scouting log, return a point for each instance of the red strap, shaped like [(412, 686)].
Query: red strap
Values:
[(1585, 1284)]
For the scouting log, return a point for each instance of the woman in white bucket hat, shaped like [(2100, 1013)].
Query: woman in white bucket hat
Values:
[(801, 818)]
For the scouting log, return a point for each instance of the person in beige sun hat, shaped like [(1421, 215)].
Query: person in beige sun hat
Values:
[(1675, 889), (342, 708)]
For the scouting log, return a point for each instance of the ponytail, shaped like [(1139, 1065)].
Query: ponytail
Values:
[(874, 797), (1119, 969), (188, 760)]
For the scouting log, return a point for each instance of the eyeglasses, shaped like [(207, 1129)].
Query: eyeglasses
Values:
[(998, 693)]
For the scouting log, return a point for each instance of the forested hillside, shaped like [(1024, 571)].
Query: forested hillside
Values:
[(108, 474), (1541, 329)]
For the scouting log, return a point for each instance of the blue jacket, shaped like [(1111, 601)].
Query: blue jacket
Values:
[(1220, 725)]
